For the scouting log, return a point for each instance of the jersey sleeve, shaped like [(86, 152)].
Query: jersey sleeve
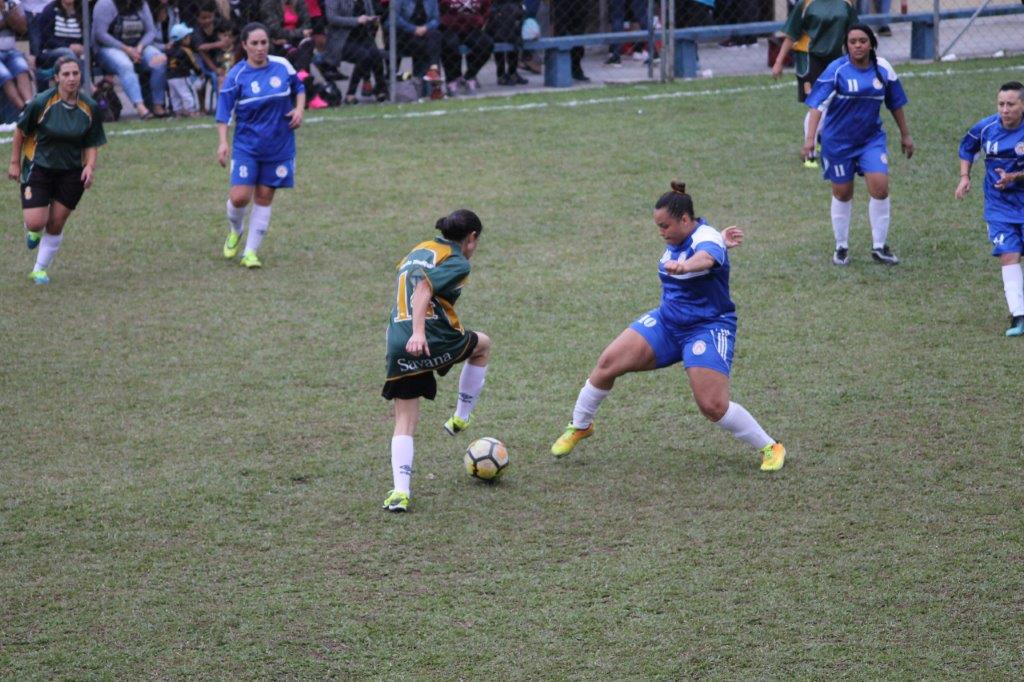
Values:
[(448, 274), (296, 83), (824, 87), (711, 242), (970, 145), (794, 26), (227, 98), (29, 116), (895, 97), (95, 137)]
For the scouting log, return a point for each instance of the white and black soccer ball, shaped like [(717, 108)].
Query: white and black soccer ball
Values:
[(486, 458)]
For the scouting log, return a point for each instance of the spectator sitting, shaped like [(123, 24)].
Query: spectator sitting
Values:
[(123, 35), (352, 38), (60, 33), (506, 26), (462, 23), (290, 30), (417, 25), (182, 65), (15, 76), (213, 42), (165, 15)]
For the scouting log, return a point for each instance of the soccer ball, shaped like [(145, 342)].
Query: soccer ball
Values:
[(485, 459)]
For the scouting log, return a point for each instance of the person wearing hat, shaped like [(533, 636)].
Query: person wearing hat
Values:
[(182, 64)]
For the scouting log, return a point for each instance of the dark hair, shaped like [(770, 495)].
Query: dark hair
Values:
[(459, 224), (251, 27), (1012, 85), (128, 6), (677, 201), (61, 61), (208, 6)]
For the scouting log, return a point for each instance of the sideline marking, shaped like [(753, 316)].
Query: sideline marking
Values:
[(389, 116)]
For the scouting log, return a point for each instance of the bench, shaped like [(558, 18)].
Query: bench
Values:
[(557, 50)]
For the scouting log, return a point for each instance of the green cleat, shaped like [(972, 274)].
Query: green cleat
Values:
[(773, 457), (568, 440), (811, 163), (396, 502), (456, 424), (1016, 326), (39, 277), (250, 260), (232, 244), (32, 239)]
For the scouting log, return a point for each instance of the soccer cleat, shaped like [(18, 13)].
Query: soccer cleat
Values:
[(456, 424), (250, 260), (1016, 326), (39, 277), (32, 239), (568, 440), (773, 457), (396, 502), (885, 255), (841, 256), (232, 244), (811, 163)]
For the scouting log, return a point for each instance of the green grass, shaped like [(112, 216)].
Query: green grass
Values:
[(192, 456)]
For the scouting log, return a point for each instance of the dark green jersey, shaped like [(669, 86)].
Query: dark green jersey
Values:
[(819, 26), (56, 133), (441, 263)]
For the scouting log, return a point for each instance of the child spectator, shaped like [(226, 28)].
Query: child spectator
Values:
[(462, 23), (182, 65)]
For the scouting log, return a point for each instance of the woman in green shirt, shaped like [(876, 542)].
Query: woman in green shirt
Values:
[(53, 156)]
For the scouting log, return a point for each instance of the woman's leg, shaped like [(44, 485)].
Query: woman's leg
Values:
[(155, 62), (407, 415), (117, 62), (451, 58), (711, 391), (480, 47), (842, 209), (471, 383), (878, 208), (49, 244), (1013, 289)]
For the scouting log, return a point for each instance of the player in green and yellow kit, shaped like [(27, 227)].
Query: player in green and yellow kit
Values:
[(426, 336), (53, 156)]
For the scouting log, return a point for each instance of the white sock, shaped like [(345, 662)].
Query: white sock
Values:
[(841, 212), (49, 244), (586, 405), (807, 124), (741, 424), (401, 462), (471, 382), (878, 214), (1013, 287), (236, 215), (259, 223)]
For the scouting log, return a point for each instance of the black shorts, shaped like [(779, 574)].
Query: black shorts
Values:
[(815, 67), (46, 185), (424, 385)]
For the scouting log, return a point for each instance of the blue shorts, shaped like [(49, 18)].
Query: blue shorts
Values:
[(871, 158), (246, 170), (1005, 237), (12, 64), (710, 345)]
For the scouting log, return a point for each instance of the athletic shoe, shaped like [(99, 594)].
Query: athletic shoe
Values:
[(568, 440), (39, 277), (317, 103), (396, 502), (613, 59), (773, 457), (471, 85), (812, 163), (31, 241), (581, 77), (841, 256), (885, 31), (456, 424), (885, 255), (516, 79), (452, 89), (433, 75), (232, 244), (505, 80), (1016, 326), (250, 260)]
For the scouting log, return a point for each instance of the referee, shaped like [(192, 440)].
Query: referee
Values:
[(53, 156)]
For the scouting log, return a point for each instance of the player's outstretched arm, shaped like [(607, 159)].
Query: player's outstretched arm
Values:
[(964, 186)]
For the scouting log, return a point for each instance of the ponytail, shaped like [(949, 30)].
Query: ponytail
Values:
[(676, 201), (459, 224)]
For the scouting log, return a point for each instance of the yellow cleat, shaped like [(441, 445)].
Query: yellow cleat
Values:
[(773, 457), (232, 244), (250, 260), (568, 440)]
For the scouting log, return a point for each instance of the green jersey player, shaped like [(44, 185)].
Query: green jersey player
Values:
[(426, 336)]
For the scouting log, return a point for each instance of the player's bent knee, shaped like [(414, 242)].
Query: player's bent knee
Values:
[(713, 409), (483, 347)]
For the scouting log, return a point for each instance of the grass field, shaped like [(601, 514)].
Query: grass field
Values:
[(192, 456)]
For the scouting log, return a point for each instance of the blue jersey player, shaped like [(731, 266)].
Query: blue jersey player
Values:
[(1001, 138), (267, 100), (695, 324), (853, 89)]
